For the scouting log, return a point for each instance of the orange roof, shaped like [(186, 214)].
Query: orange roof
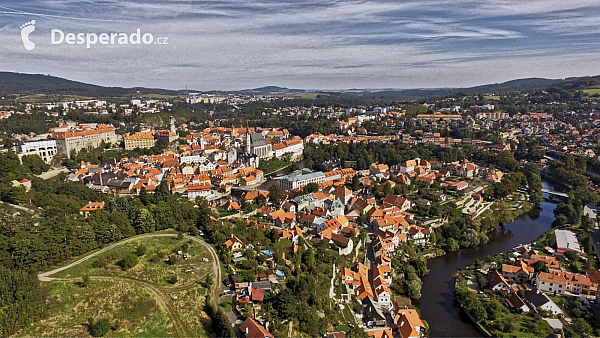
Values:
[(252, 329), (93, 206)]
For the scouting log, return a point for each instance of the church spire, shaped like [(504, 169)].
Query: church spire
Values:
[(248, 140)]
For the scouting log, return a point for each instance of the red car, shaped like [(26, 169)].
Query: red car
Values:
[(244, 299)]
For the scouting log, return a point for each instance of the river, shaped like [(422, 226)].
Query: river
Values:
[(437, 304)]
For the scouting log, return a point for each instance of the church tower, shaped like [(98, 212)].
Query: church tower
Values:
[(248, 141), (172, 125)]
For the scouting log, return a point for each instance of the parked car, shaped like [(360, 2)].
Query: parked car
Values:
[(244, 299), (575, 292)]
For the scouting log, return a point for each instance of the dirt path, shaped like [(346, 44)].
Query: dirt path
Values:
[(216, 269), (181, 329), (44, 277)]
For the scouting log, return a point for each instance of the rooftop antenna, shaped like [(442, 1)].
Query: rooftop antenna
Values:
[(186, 90)]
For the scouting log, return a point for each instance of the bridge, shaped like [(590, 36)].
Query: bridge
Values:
[(555, 193)]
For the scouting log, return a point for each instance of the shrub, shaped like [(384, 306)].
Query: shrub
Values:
[(128, 261), (99, 328), (141, 250)]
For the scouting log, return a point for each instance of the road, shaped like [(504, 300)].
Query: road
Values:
[(590, 211), (52, 173), (596, 239), (239, 215), (19, 207), (180, 328)]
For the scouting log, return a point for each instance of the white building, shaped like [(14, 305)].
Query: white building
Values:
[(566, 240), (300, 178), (46, 149)]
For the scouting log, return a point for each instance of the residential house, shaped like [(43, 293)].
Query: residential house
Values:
[(409, 323), (538, 300), (92, 206), (521, 272), (515, 303), (551, 282), (250, 328), (379, 333), (234, 244), (496, 282)]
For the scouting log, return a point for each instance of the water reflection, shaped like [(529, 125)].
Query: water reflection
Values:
[(437, 302)]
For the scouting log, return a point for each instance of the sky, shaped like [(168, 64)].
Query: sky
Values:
[(308, 44)]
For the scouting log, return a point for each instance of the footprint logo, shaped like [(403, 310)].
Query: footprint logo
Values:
[(26, 29)]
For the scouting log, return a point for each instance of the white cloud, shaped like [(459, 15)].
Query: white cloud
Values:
[(311, 44)]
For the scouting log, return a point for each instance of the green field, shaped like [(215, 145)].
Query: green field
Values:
[(494, 98), (592, 91), (152, 267), (131, 309)]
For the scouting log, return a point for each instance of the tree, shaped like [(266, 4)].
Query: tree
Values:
[(128, 261), (493, 308), (311, 188), (162, 192), (34, 164), (99, 328), (540, 266), (14, 195), (143, 221), (571, 255), (220, 323), (276, 194), (476, 309), (578, 328), (414, 289)]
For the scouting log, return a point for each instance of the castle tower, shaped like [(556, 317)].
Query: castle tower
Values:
[(248, 140), (172, 125)]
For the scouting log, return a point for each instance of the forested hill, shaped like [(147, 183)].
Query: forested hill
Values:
[(18, 83), (413, 94)]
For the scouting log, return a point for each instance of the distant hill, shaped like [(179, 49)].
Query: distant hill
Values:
[(414, 94), (271, 90), (19, 83), (520, 84)]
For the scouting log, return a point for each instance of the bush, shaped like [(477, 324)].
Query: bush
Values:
[(128, 261), (172, 279), (141, 250), (100, 262), (99, 328)]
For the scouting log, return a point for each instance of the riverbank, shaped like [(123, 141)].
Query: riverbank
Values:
[(437, 303)]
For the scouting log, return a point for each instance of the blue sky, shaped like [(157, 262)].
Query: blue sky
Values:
[(220, 44)]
